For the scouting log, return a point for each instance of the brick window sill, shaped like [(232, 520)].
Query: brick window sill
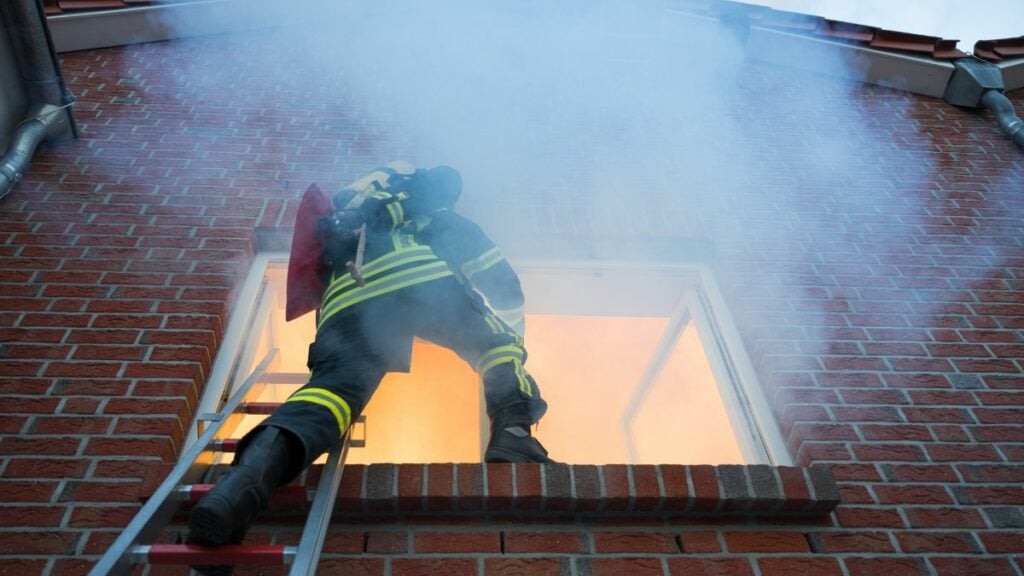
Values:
[(400, 490)]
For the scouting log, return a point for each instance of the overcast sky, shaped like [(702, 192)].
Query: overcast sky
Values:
[(950, 19)]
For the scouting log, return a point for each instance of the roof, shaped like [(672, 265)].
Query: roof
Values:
[(817, 26), (994, 50), (913, 62)]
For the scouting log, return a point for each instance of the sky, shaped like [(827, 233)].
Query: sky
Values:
[(950, 19)]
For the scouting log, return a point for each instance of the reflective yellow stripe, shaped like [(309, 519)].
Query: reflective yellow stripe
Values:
[(481, 263), (385, 262), (496, 356), (397, 215), (322, 397), (524, 382), (390, 283)]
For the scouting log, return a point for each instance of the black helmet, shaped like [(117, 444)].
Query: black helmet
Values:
[(443, 183)]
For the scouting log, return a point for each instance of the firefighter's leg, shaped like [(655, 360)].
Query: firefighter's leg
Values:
[(276, 451), (450, 317)]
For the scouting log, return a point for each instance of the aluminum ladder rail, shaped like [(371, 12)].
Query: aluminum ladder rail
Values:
[(135, 544)]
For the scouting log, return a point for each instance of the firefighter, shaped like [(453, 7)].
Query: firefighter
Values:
[(430, 273)]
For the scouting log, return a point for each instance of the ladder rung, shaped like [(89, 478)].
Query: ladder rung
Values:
[(283, 496), (226, 445), (258, 407), (285, 378), (230, 555)]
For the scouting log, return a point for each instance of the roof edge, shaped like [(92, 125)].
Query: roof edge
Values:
[(901, 71), (106, 28)]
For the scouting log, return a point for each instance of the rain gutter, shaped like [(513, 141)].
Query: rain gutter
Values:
[(104, 28), (920, 75)]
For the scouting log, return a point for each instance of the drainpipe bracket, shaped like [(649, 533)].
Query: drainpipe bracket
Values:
[(971, 80)]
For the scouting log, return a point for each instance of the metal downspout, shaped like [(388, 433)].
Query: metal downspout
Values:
[(45, 121), (40, 73), (1001, 106)]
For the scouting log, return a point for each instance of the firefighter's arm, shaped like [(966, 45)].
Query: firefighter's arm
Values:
[(467, 249)]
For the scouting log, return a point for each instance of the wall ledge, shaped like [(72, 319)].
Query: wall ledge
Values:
[(391, 491)]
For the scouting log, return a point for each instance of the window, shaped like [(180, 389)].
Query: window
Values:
[(638, 364)]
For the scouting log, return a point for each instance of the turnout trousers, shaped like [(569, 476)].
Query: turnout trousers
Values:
[(355, 348)]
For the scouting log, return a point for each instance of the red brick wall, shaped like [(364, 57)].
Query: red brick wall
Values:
[(881, 301)]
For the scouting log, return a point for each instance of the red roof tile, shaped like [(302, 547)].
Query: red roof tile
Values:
[(997, 50), (809, 25)]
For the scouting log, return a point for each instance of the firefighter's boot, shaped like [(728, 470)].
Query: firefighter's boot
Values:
[(224, 515), (511, 440)]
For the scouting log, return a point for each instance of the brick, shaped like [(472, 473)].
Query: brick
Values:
[(529, 487), (700, 542), (867, 541), (953, 566), (936, 542), (429, 567), (387, 542), (45, 468), (526, 566), (470, 487), (989, 495), (647, 489), (677, 491), (766, 542), (457, 542), (1002, 542), (350, 492), (736, 491), (344, 542), (557, 487), (799, 565), (587, 484), (634, 543), (352, 566), (101, 517), (1005, 517), (706, 494), (440, 487), (411, 494), (919, 473), (709, 567), (32, 516), (499, 486), (945, 517), (31, 542), (620, 566), (381, 487), (39, 446), (962, 453), (872, 566), (889, 452), (859, 517), (617, 487), (912, 494), (520, 542)]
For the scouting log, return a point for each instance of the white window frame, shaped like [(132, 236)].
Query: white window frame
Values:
[(757, 432)]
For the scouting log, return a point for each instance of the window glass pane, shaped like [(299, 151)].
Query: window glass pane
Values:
[(682, 420)]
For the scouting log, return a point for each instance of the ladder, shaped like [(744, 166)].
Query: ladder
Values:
[(135, 545)]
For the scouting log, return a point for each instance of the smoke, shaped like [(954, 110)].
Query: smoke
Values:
[(582, 118), (610, 119), (948, 19)]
